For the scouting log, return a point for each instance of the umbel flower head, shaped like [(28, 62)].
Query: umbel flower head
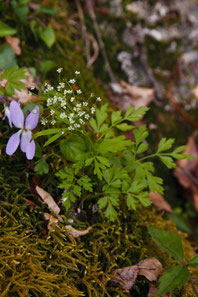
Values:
[(24, 135)]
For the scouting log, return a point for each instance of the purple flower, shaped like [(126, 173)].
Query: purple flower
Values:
[(24, 135), (7, 111)]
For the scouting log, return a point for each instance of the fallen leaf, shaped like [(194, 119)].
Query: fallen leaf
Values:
[(151, 268), (159, 202), (47, 198), (125, 276), (77, 233), (131, 95), (14, 43), (189, 166)]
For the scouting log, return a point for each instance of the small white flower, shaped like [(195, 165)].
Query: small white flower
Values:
[(72, 81), (63, 115), (72, 99), (78, 105), (81, 121), (98, 99), (49, 102), (87, 116), (93, 110), (52, 112), (85, 103), (59, 69), (79, 92), (53, 122), (92, 94), (77, 72)]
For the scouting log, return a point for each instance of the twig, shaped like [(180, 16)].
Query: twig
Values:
[(171, 97), (157, 87), (100, 41), (84, 30), (95, 49), (193, 286)]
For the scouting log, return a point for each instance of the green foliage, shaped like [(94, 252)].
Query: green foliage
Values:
[(41, 167), (48, 36), (6, 30), (172, 278), (178, 275), (168, 241), (7, 57), (13, 76)]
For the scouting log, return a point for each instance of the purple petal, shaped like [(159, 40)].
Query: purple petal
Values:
[(3, 100), (25, 140), (8, 115), (30, 150), (13, 143), (16, 114), (32, 119)]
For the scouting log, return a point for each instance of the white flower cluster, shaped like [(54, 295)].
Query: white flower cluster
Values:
[(65, 106)]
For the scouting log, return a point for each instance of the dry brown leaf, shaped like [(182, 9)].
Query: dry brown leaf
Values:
[(77, 233), (190, 166), (14, 43), (159, 202), (52, 220), (132, 95), (47, 198), (151, 268), (125, 276), (152, 293)]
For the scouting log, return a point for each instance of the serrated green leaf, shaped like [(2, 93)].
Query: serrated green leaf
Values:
[(165, 144), (113, 145), (168, 241), (41, 167), (52, 139), (102, 202), (142, 148), (144, 199), (129, 111), (101, 115), (103, 160), (73, 147), (173, 278), (140, 134), (48, 36), (154, 183), (85, 182), (131, 202), (136, 115), (93, 124), (116, 116), (97, 170), (124, 127), (89, 161), (194, 261), (168, 161), (111, 213), (76, 190), (13, 76), (6, 30)]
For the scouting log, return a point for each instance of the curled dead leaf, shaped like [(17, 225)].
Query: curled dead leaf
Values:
[(159, 202), (189, 166), (77, 233), (151, 268), (47, 198), (14, 43), (132, 95)]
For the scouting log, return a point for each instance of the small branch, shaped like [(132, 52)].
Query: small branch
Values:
[(171, 97), (100, 41), (84, 30), (193, 286)]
